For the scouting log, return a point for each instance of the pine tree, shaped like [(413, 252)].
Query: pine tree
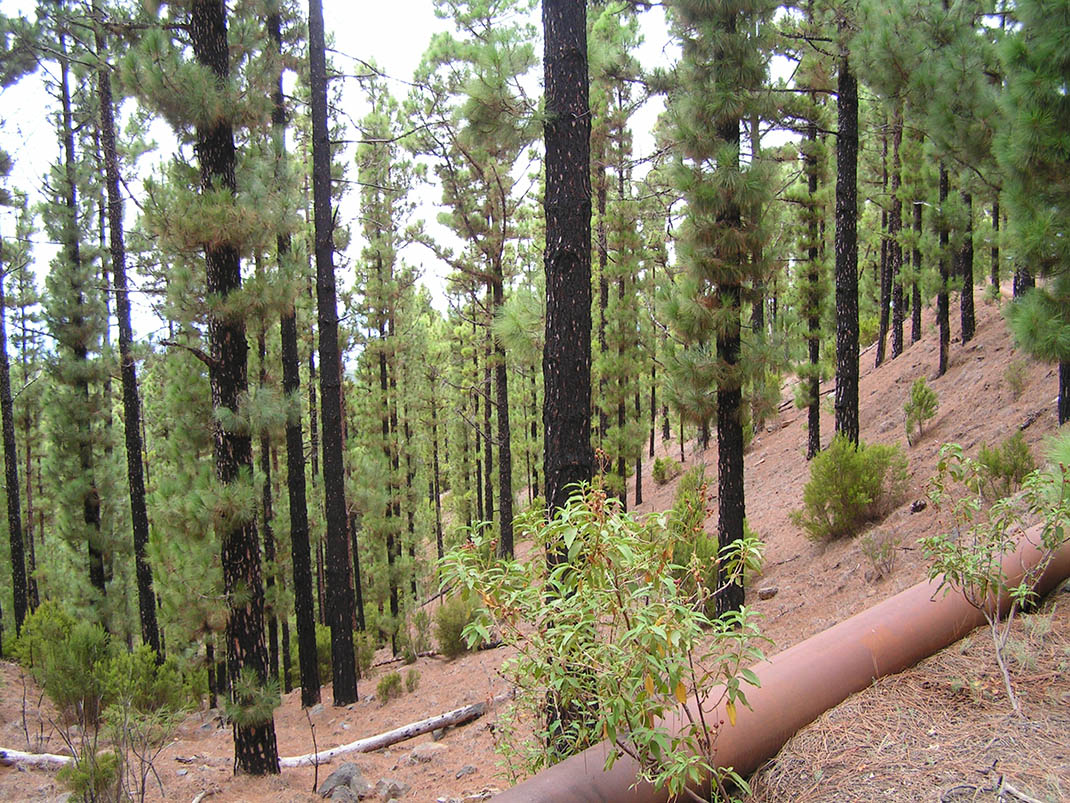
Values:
[(846, 401), (1034, 153), (19, 587), (150, 633), (339, 586), (566, 358), (720, 84)]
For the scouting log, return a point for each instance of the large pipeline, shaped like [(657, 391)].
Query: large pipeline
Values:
[(800, 684)]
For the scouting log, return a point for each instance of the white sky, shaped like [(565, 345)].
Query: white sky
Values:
[(394, 34)]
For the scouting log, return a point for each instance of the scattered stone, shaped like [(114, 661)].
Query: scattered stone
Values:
[(466, 770), (182, 772), (316, 709), (362, 787), (390, 787), (918, 505), (768, 592), (343, 794), (426, 752), (343, 776), (437, 734)]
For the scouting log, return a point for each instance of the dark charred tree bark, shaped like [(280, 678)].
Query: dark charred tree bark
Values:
[(505, 455), (1064, 392), (436, 472), (566, 362), (966, 314), (150, 632), (942, 302), (267, 515), (295, 456), (639, 453), (488, 445), (895, 225), (567, 354), (885, 267), (339, 587), (847, 253), (915, 289), (255, 750), (358, 588), (11, 475), (994, 275), (813, 301)]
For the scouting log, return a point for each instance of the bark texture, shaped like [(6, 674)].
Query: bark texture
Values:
[(339, 587), (846, 403)]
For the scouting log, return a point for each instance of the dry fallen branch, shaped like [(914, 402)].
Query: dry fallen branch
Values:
[(458, 716), (17, 758)]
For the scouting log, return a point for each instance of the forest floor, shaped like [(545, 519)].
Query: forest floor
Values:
[(939, 731)]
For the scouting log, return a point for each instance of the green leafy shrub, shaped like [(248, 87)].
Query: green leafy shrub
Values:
[(388, 687), (850, 486), (920, 408), (452, 617), (614, 641), (412, 680), (1005, 467), (665, 470)]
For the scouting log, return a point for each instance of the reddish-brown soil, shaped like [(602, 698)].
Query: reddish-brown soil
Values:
[(818, 585)]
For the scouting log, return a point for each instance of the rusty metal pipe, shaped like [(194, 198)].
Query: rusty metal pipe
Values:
[(800, 684)]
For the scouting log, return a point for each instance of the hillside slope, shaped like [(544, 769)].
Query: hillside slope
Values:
[(818, 585)]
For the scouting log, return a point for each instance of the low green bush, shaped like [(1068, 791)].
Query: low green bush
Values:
[(49, 624), (665, 470), (1002, 469), (919, 408), (412, 680), (850, 486), (388, 687), (451, 618)]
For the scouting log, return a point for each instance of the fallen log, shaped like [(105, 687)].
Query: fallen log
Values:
[(17, 758), (458, 716)]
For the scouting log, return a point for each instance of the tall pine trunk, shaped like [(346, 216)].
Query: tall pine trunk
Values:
[(813, 301), (942, 302), (895, 225), (146, 596), (339, 587), (965, 261), (255, 750), (566, 364), (308, 664), (505, 455), (915, 285), (11, 474), (847, 253)]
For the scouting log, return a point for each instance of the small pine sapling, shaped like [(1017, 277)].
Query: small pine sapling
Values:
[(919, 409)]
